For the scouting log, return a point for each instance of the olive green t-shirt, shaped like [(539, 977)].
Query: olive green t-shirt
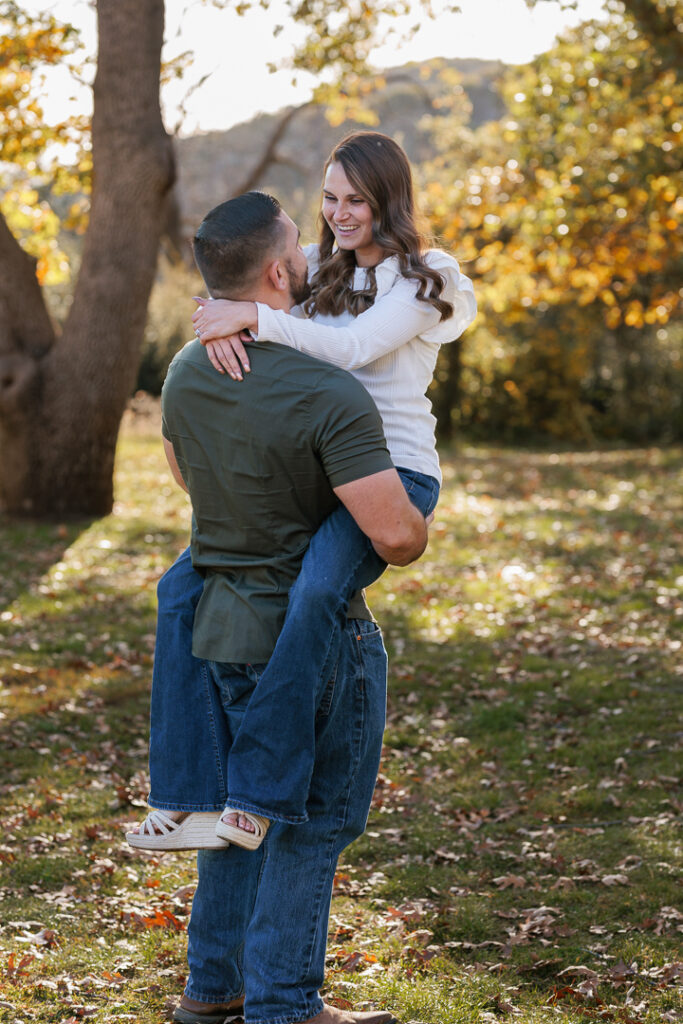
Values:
[(260, 458)]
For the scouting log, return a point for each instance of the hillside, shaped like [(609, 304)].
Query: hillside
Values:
[(213, 166)]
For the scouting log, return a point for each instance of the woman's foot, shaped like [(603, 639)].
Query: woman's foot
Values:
[(242, 828), (177, 830), (239, 820), (173, 815)]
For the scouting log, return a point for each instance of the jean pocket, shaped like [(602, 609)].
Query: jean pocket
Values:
[(366, 629), (368, 638), (423, 490), (370, 653), (433, 498), (325, 705), (235, 682)]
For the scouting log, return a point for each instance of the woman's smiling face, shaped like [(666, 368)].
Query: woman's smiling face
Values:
[(349, 217)]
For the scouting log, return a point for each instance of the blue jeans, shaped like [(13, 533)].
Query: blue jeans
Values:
[(259, 918), (271, 760), (189, 739)]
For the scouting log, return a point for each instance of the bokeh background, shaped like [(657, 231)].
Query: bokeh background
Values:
[(556, 181)]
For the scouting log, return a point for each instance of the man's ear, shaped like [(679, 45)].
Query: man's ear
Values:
[(276, 274)]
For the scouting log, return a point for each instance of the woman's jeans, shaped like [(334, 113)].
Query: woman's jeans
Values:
[(260, 917), (270, 761)]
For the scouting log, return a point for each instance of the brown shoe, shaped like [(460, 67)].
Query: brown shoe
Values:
[(331, 1015), (190, 1011)]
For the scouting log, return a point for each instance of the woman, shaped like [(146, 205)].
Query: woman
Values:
[(381, 304)]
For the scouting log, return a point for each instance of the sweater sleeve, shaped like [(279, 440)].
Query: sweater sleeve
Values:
[(395, 319)]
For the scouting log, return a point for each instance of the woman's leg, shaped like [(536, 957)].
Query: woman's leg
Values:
[(188, 736), (271, 760)]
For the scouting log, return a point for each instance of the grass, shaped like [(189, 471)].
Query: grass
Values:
[(520, 860)]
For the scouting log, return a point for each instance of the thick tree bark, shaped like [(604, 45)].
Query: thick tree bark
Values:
[(74, 389), (26, 335), (445, 396)]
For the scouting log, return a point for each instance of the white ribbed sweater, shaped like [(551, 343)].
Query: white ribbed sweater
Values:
[(391, 348)]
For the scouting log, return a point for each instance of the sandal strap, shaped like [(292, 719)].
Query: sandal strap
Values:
[(258, 821), (158, 822), (260, 824)]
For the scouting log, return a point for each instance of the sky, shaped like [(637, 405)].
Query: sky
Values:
[(233, 52)]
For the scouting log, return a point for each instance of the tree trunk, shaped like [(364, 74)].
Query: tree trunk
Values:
[(445, 395), (26, 334), (61, 399)]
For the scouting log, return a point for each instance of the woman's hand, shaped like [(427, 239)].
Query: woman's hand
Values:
[(226, 354), (222, 326), (221, 318)]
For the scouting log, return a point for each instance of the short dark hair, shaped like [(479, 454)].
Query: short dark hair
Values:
[(234, 240)]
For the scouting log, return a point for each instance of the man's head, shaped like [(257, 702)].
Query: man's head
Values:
[(248, 248)]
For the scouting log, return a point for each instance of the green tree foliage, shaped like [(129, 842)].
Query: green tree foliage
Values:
[(62, 393), (33, 172), (29, 147), (569, 218)]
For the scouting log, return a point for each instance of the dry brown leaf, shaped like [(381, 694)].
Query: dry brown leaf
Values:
[(510, 881)]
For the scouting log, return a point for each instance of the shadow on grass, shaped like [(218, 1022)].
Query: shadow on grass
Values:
[(101, 641), (451, 825), (29, 549), (555, 708)]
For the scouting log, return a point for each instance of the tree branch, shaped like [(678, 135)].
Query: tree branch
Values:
[(660, 26), (25, 324), (133, 171), (18, 374), (294, 165), (658, 23), (418, 87), (269, 154)]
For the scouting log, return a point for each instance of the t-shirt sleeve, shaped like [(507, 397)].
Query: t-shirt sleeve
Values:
[(165, 429), (168, 386), (347, 430)]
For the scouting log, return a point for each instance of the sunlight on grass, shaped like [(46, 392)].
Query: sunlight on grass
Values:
[(521, 857)]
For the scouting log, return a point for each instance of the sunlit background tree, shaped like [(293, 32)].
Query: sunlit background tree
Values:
[(568, 210), (562, 199)]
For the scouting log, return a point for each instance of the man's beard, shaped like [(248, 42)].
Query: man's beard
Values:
[(298, 285)]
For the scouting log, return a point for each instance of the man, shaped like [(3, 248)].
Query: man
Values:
[(265, 461)]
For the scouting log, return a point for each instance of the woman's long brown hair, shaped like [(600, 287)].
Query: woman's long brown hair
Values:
[(379, 171)]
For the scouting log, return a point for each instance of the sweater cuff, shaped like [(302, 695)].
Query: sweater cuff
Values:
[(265, 330)]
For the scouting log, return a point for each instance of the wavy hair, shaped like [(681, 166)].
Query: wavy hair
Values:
[(379, 171)]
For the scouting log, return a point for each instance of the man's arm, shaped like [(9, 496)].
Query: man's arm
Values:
[(173, 464), (384, 512)]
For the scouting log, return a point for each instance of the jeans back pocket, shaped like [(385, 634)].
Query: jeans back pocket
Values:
[(325, 705)]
